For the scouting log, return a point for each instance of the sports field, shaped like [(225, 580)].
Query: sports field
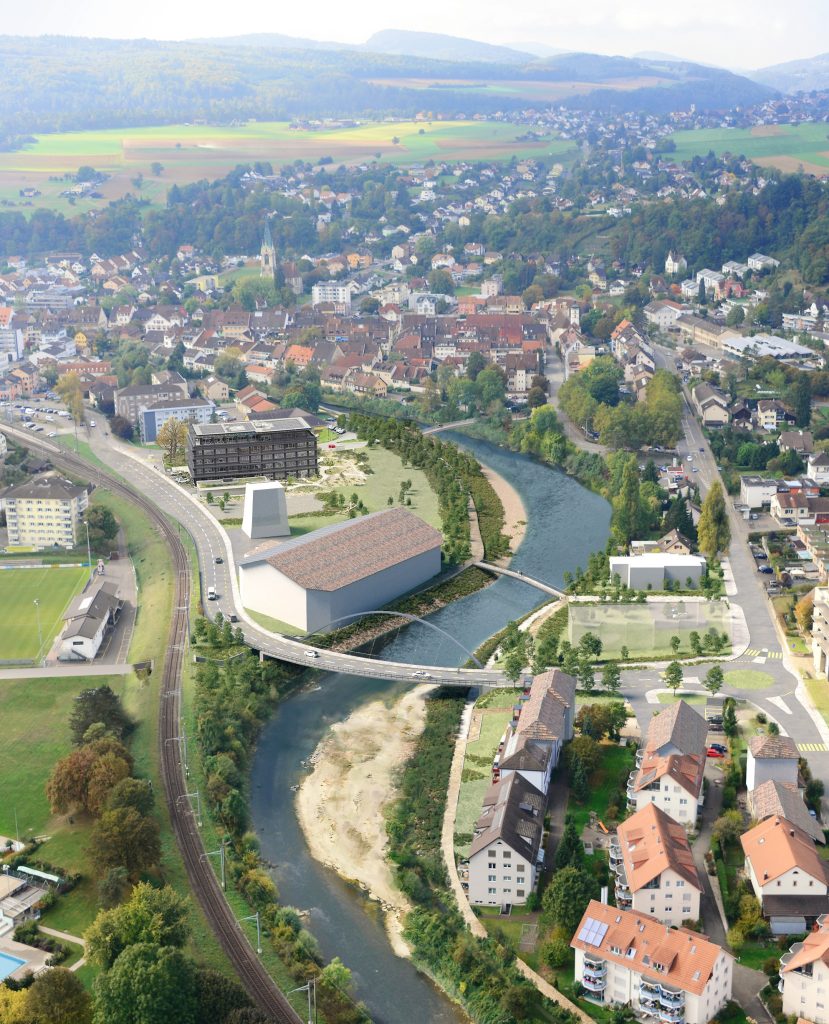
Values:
[(189, 153), (54, 587), (789, 147)]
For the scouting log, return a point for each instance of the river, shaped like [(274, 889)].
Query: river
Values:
[(566, 523)]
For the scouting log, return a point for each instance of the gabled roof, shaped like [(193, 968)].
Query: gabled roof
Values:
[(784, 800), (776, 845), (813, 948), (513, 812), (651, 842), (770, 746), (677, 729), (687, 958)]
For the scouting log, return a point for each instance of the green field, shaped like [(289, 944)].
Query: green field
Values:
[(54, 587), (788, 147), (191, 152), (645, 629)]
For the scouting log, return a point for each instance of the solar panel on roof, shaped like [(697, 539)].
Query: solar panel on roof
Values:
[(593, 932)]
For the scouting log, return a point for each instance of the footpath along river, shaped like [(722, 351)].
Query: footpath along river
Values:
[(565, 523)]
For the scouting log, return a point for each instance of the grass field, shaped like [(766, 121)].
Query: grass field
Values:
[(191, 152), (747, 679), (785, 146), (54, 587), (612, 774)]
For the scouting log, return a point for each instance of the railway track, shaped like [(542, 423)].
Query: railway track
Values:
[(257, 982)]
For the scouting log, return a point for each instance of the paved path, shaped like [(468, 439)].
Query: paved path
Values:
[(66, 937), (62, 670)]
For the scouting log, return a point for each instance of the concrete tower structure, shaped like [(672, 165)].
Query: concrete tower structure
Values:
[(265, 511)]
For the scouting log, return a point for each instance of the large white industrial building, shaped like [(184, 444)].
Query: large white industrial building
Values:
[(356, 566)]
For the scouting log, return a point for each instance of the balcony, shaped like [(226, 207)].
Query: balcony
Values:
[(595, 966), (593, 983), (672, 998)]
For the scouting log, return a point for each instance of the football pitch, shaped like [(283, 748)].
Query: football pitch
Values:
[(53, 587)]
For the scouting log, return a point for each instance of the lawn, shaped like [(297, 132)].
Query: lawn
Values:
[(747, 679), (606, 782), (689, 698), (512, 927), (274, 625), (782, 146), (192, 152), (819, 692), (645, 629), (477, 774), (53, 587)]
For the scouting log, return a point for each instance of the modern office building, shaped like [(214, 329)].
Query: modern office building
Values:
[(277, 449), (186, 410), (45, 512)]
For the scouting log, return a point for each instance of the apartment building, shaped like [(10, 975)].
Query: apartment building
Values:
[(666, 975), (45, 512), (185, 410), (654, 867), (276, 449), (506, 847), (820, 632), (131, 401), (783, 800), (804, 976), (670, 765), (787, 875)]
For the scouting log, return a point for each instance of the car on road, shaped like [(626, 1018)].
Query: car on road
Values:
[(713, 752), (719, 746), (211, 594), (311, 654), (420, 674), (695, 469), (92, 423), (218, 560), (690, 458), (765, 568), (702, 449), (759, 554), (233, 617)]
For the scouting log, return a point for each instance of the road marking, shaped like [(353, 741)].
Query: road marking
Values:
[(780, 703), (814, 747)]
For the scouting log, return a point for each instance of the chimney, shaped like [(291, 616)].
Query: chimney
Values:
[(603, 897)]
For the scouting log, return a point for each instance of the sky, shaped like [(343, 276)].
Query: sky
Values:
[(738, 35)]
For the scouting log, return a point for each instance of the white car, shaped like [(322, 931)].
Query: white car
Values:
[(311, 654), (52, 433), (690, 458), (420, 674)]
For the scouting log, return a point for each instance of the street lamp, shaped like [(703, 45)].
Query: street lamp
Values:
[(311, 986), (88, 551), (36, 603)]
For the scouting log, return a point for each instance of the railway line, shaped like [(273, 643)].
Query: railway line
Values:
[(257, 982)]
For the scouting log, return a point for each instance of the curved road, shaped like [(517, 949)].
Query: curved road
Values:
[(253, 975)]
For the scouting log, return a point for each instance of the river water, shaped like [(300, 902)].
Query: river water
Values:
[(565, 523)]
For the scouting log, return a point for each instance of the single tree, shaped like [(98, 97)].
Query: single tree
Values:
[(57, 996), (565, 898), (147, 985), (155, 916), (675, 642), (590, 646), (99, 704), (714, 679), (172, 437), (673, 676), (612, 677), (137, 793), (713, 531), (728, 828), (570, 850), (125, 838)]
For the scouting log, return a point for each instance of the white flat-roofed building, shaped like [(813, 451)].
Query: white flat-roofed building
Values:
[(45, 512), (652, 570), (757, 491), (667, 975), (312, 581)]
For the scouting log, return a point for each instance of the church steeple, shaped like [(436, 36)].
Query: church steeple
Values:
[(267, 254)]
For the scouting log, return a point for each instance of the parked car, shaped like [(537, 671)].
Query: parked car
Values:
[(713, 752), (765, 568), (721, 747)]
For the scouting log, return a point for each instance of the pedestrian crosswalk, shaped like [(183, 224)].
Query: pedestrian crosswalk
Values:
[(754, 652), (813, 747)]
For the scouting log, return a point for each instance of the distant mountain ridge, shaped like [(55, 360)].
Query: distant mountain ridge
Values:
[(435, 46), (795, 75)]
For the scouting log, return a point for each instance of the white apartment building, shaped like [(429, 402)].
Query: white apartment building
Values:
[(507, 843), (670, 765), (330, 291), (804, 976), (654, 867), (757, 491), (667, 975), (787, 875), (774, 758), (820, 632), (45, 512)]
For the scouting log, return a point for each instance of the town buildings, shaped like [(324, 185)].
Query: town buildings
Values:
[(87, 620), (185, 410), (666, 975), (44, 512), (340, 570), (277, 449), (804, 976), (670, 765), (653, 569), (771, 758)]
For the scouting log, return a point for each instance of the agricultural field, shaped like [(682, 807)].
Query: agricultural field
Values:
[(54, 587), (190, 153), (787, 147)]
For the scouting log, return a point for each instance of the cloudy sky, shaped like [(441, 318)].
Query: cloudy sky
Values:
[(733, 35)]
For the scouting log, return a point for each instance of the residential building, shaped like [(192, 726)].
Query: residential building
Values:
[(331, 292), (185, 410), (787, 875), (543, 723), (670, 764), (506, 843), (652, 570), (87, 621), (45, 512), (654, 867), (276, 449), (820, 632), (666, 975), (131, 401), (771, 757), (757, 491), (662, 313), (770, 414), (804, 976), (784, 800), (341, 570), (817, 468), (674, 543), (757, 261), (711, 405), (675, 264), (800, 441)]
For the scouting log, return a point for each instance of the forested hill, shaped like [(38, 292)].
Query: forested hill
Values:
[(54, 83)]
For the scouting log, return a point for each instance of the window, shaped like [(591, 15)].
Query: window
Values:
[(520, 892), (492, 853), (519, 868), (507, 855), (680, 885), (491, 891), (492, 866), (492, 878)]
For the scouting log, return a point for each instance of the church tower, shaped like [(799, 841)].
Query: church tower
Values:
[(267, 254)]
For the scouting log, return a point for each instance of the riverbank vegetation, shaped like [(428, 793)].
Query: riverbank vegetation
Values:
[(481, 975), (455, 476)]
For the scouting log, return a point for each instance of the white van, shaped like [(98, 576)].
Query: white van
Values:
[(211, 594)]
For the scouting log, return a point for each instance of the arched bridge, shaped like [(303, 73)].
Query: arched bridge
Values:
[(516, 574)]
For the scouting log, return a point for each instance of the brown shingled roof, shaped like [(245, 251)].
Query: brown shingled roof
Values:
[(678, 726), (773, 746), (338, 555), (784, 800)]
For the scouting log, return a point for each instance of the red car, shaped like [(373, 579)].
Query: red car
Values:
[(713, 752)]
